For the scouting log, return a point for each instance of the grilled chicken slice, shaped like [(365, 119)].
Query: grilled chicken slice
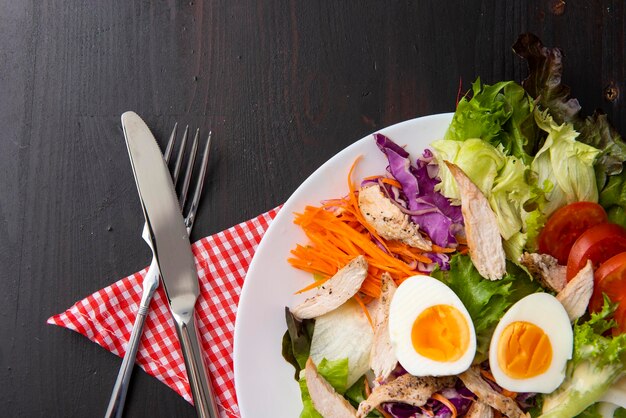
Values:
[(388, 220), (479, 409), (407, 389), (546, 270), (472, 380), (577, 293), (336, 291), (382, 357), (481, 228), (326, 401)]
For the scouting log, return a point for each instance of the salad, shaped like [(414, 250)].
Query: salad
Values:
[(482, 278)]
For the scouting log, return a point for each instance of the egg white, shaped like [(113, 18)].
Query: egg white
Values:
[(547, 313), (412, 297)]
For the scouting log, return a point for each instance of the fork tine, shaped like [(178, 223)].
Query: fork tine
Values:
[(191, 216), (181, 155), (190, 163), (170, 144)]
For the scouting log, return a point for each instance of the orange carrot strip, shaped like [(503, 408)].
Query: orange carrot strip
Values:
[(391, 182), (438, 249), (355, 204), (313, 285), (371, 287), (368, 178), (367, 314), (446, 402)]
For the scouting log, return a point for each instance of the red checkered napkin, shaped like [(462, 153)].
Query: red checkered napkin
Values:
[(106, 317)]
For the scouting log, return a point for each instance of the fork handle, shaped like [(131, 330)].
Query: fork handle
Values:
[(118, 396), (203, 395)]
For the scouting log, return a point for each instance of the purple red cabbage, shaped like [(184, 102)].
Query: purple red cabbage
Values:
[(436, 215), (459, 395), (461, 399)]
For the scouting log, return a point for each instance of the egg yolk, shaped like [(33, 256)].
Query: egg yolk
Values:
[(440, 333), (524, 350)]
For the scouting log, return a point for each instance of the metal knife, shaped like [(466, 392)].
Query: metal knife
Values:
[(172, 251)]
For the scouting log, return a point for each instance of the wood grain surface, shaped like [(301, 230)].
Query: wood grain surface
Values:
[(284, 85)]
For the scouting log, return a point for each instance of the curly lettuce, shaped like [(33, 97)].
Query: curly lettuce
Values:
[(544, 84), (566, 162), (500, 114)]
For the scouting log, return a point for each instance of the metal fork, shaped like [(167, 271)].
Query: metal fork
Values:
[(151, 281)]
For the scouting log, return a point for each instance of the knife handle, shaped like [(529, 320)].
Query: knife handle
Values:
[(203, 395), (120, 389)]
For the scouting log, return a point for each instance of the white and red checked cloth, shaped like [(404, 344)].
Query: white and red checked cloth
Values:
[(106, 317)]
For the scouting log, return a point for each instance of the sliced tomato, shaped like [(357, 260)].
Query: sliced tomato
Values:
[(598, 244), (610, 279), (565, 226)]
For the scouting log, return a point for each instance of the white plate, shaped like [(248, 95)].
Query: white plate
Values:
[(263, 379)]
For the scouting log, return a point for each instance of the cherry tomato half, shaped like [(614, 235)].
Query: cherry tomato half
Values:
[(565, 226), (598, 244), (610, 279)]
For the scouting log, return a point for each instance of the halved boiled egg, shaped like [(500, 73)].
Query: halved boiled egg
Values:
[(430, 329), (531, 345)]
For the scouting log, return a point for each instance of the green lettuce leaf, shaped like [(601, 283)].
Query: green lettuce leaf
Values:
[(500, 114), (486, 301), (465, 154), (481, 116), (544, 84), (566, 162), (510, 191), (335, 372), (598, 361)]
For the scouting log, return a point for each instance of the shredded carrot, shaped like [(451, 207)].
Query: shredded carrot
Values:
[(446, 402), (365, 311), (313, 285), (368, 178), (334, 243), (428, 411), (391, 182), (338, 232), (438, 249)]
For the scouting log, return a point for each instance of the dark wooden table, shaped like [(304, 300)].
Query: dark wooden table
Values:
[(283, 84)]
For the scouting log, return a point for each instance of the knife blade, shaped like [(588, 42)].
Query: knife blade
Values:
[(172, 251)]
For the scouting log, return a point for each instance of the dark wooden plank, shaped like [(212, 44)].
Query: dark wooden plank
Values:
[(283, 84)]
